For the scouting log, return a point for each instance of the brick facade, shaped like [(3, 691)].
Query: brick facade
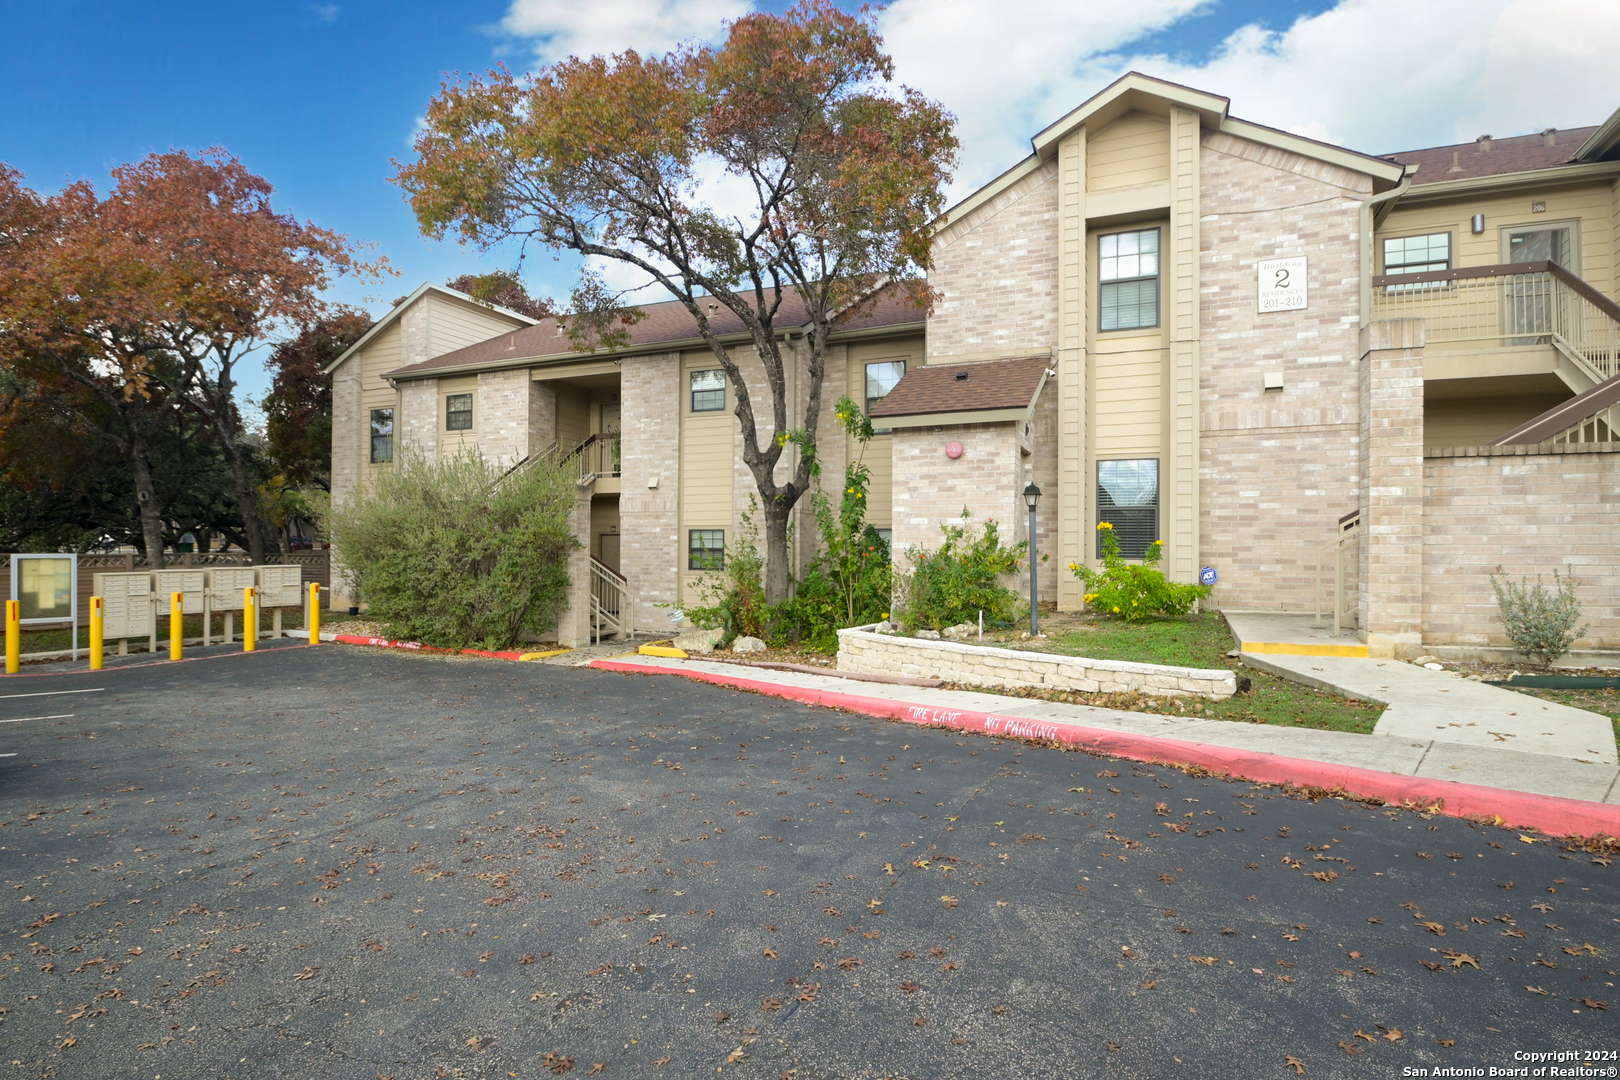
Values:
[(649, 517), (504, 415), (1279, 467), (1391, 546), (987, 479), (1528, 510), (418, 423), (997, 271)]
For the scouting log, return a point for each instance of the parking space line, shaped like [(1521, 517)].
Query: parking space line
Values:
[(59, 716), (53, 693)]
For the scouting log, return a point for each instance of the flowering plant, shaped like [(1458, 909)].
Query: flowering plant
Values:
[(1134, 591)]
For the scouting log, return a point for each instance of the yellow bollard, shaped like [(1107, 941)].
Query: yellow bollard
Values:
[(96, 616), (13, 636), (250, 619), (177, 626), (314, 622)]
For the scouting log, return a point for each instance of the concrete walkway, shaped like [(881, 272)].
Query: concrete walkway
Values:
[(1487, 763)]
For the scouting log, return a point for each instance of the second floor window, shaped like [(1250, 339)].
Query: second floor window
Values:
[(1417, 254), (382, 435), (708, 391), (458, 412), (881, 377), (1128, 268)]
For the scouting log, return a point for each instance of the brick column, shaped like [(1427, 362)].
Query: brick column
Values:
[(1391, 549), (574, 624)]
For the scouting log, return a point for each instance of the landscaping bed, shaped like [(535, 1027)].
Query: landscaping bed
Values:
[(1201, 640)]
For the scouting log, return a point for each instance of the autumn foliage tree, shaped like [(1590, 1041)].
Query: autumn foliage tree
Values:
[(298, 408), (639, 161), (149, 299)]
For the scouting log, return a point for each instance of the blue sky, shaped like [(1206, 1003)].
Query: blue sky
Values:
[(318, 97)]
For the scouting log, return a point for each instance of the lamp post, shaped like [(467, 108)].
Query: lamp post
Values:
[(1032, 498)]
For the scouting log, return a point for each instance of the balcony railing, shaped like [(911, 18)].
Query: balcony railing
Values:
[(1508, 306), (598, 456)]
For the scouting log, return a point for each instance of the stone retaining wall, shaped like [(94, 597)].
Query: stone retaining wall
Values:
[(860, 650)]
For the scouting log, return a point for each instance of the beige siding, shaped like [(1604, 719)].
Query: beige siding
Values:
[(1477, 421), (573, 416), (1074, 413), (604, 519), (454, 324), (452, 442), (707, 453), (879, 452), (1132, 150), (1590, 207), (382, 353)]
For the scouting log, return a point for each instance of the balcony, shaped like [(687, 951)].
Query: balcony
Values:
[(1507, 322)]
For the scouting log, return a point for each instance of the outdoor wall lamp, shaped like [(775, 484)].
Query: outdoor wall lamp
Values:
[(1032, 498)]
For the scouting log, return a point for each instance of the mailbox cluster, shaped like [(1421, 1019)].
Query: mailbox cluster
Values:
[(131, 602)]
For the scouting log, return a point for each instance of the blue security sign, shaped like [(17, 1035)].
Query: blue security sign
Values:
[(1207, 575)]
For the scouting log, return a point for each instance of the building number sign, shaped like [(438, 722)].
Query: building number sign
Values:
[(1282, 284)]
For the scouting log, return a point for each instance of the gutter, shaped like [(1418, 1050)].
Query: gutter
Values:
[(1374, 209)]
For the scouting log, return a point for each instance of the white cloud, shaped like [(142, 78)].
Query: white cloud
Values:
[(1374, 75), (326, 12), (558, 29)]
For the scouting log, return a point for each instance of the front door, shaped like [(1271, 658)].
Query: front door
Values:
[(610, 551), (1531, 301)]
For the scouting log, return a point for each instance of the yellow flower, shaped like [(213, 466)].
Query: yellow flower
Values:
[(885, 614), (1116, 610), (1105, 525)]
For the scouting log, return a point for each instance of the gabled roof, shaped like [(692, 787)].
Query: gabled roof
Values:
[(1142, 93), (1604, 142), (932, 389), (416, 294), (666, 325)]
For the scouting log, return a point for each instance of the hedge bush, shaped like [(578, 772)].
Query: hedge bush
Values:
[(454, 552), (1134, 591)]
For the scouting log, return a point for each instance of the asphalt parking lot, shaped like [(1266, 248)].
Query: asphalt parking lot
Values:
[(340, 862)]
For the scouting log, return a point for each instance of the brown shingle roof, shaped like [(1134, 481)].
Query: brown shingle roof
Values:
[(665, 322), (1466, 161), (944, 388)]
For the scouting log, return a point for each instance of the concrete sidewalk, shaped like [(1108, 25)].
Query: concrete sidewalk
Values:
[(1443, 707), (1436, 759)]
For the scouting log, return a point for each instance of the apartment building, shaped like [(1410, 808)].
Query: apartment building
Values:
[(1246, 344)]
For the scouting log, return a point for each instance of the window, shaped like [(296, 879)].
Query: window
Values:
[(1128, 267), (706, 549), (708, 391), (880, 379), (458, 412), (1128, 499), (1417, 254), (382, 435)]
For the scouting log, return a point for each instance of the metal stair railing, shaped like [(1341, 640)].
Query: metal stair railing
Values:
[(613, 609), (1346, 603)]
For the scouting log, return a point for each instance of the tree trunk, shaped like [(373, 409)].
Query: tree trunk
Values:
[(246, 500), (777, 558), (145, 492)]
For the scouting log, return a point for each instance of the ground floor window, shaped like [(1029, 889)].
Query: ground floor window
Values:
[(706, 549), (382, 435), (1128, 499), (458, 412)]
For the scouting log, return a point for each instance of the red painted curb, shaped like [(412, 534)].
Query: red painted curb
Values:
[(384, 643), (1547, 813)]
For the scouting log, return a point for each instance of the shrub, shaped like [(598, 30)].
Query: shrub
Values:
[(733, 596), (1132, 591), (851, 579), (1540, 622), (962, 578), (452, 553)]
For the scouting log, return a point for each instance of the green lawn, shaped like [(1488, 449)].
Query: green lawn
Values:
[(1199, 641), (58, 638)]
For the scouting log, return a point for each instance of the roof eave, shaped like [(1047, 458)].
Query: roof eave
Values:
[(645, 349), (1013, 414), (1601, 141), (1557, 174)]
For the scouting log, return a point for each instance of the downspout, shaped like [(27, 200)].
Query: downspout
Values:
[(1369, 211)]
